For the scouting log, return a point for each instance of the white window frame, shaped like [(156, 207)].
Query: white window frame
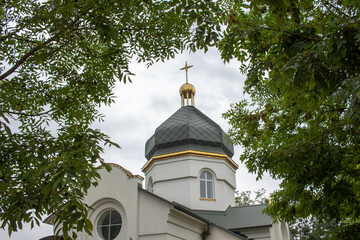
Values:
[(208, 179), (101, 206), (108, 225)]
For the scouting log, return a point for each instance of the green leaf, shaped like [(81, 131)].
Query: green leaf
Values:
[(7, 129)]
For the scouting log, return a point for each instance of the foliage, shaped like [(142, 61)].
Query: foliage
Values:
[(244, 198), (302, 60), (311, 229), (304, 228), (60, 60), (349, 231)]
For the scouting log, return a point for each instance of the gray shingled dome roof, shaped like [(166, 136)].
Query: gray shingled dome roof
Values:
[(188, 129)]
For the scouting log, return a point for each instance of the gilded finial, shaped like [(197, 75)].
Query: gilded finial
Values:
[(187, 90)]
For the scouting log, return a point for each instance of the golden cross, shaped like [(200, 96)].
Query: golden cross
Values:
[(186, 70)]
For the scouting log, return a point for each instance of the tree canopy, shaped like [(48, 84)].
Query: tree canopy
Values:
[(59, 62), (309, 228), (302, 61)]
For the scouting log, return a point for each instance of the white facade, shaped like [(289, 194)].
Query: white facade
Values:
[(117, 190), (178, 179), (144, 215), (147, 216)]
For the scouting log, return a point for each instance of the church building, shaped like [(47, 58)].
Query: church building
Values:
[(188, 189)]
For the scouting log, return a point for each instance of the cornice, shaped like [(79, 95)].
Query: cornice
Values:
[(190, 153), (127, 172)]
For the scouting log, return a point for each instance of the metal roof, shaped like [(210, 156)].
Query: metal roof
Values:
[(238, 217), (188, 129)]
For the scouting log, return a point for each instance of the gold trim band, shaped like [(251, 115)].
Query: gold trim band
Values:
[(190, 153), (208, 199)]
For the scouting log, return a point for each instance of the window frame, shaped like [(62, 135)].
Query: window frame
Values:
[(98, 226), (206, 180), (102, 205)]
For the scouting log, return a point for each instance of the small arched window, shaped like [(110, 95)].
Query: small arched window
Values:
[(206, 185), (150, 186)]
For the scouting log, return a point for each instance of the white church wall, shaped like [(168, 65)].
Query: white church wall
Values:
[(280, 231), (190, 228), (115, 191), (168, 169), (228, 193), (153, 215), (162, 236), (222, 170), (159, 220), (184, 226), (146, 216), (219, 234), (177, 179), (223, 197), (175, 190), (259, 233), (224, 184), (179, 167)]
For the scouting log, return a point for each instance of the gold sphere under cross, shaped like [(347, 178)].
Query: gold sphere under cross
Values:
[(187, 90)]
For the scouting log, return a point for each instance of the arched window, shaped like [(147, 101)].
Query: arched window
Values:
[(206, 185), (150, 186), (109, 225)]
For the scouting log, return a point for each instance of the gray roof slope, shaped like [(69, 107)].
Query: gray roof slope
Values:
[(186, 129), (238, 217)]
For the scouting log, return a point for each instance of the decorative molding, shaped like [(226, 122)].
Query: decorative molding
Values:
[(190, 153), (127, 172), (208, 199)]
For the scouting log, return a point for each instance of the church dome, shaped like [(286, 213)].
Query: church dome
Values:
[(188, 129)]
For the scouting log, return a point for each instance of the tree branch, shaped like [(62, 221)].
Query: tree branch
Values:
[(26, 56), (23, 39), (29, 115), (326, 3), (33, 50)]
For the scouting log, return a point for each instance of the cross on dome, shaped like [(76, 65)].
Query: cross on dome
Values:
[(186, 70), (187, 90)]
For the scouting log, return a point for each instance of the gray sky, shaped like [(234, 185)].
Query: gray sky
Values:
[(153, 96)]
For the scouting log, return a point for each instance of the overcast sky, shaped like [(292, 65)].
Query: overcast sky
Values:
[(153, 97)]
